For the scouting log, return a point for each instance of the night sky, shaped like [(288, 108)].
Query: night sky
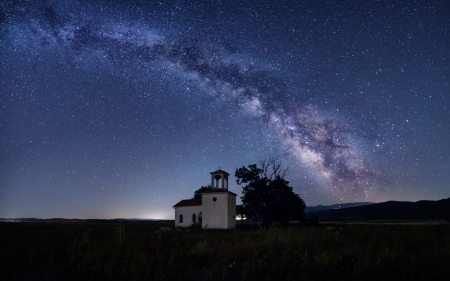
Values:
[(120, 109)]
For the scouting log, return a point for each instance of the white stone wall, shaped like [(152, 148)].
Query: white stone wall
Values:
[(187, 215), (219, 213), (232, 212)]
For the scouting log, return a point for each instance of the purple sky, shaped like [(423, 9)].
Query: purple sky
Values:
[(122, 108)]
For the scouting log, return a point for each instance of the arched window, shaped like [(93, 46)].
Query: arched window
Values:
[(181, 218), (194, 218)]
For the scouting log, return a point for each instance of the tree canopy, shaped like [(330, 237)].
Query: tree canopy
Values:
[(198, 192), (267, 196)]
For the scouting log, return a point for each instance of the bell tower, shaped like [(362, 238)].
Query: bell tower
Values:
[(219, 177), (218, 203)]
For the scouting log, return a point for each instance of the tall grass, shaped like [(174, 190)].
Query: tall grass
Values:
[(156, 251)]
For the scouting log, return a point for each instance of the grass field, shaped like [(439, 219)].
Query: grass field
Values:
[(156, 251)]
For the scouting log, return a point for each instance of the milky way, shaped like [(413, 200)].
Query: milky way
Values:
[(333, 137)]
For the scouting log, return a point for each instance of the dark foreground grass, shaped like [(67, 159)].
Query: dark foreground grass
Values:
[(156, 251)]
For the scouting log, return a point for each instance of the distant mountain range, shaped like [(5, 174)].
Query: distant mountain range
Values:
[(390, 210), (309, 210)]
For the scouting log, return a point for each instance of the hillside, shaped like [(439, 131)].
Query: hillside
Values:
[(309, 210), (392, 210)]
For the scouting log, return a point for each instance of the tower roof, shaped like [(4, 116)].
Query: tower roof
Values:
[(219, 190), (220, 172)]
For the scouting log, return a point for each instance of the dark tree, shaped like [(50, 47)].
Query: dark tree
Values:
[(267, 195), (198, 192)]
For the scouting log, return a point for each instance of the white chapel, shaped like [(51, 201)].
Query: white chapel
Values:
[(217, 206)]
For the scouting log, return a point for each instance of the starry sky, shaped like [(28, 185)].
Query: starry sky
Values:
[(120, 109)]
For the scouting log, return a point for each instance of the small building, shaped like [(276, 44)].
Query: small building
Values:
[(217, 206)]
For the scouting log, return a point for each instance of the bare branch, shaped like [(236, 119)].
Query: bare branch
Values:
[(271, 168)]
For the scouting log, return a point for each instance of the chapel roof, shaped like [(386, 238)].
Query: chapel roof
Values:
[(188, 203)]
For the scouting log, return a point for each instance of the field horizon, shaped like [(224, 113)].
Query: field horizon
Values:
[(410, 210)]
